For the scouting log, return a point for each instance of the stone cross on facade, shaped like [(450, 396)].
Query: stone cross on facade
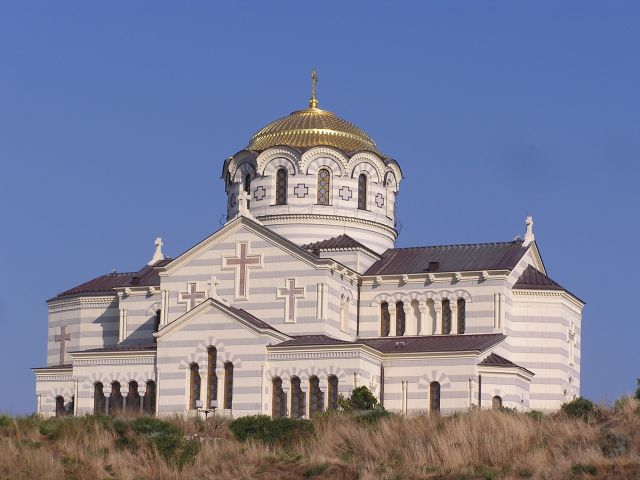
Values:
[(290, 295), (191, 296), (62, 338), (241, 264)]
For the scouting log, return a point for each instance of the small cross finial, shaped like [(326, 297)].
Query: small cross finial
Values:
[(529, 237), (313, 102), (157, 255)]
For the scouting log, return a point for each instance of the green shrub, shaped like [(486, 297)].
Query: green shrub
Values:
[(637, 395), (51, 428), (167, 438), (270, 430), (580, 408), (363, 399), (372, 416), (315, 470), (579, 469), (5, 421), (613, 444), (536, 415)]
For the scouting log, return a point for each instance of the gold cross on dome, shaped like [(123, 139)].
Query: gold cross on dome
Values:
[(313, 102)]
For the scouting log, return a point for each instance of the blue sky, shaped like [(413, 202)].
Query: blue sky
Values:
[(115, 118)]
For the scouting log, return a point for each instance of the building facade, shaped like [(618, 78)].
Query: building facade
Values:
[(302, 296)]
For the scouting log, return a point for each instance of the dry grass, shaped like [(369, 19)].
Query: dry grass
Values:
[(479, 445)]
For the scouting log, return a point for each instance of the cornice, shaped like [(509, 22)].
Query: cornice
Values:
[(323, 219), (548, 296), (70, 303), (431, 278)]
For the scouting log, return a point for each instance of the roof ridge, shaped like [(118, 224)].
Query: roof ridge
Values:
[(512, 242)]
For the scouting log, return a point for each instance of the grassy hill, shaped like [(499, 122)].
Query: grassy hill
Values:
[(602, 443)]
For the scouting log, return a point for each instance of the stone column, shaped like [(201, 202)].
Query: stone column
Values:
[(410, 320), (220, 397), (287, 400), (124, 394), (142, 394), (325, 400), (106, 391), (424, 330), (453, 305), (392, 319), (438, 308)]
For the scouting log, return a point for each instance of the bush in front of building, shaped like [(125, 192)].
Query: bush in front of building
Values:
[(269, 430), (580, 408)]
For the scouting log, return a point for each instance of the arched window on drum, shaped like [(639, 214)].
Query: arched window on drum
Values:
[(362, 192), (324, 187), (281, 186)]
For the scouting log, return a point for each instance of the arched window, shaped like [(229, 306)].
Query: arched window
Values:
[(99, 400), (400, 318), (362, 192), (332, 392), (149, 402), (212, 378), (496, 403), (434, 398), (115, 399), (461, 315), (315, 396), (156, 323), (281, 186), (446, 316), (247, 183), (60, 411), (324, 186), (228, 385), (385, 319), (279, 399), (297, 398), (194, 386), (133, 398)]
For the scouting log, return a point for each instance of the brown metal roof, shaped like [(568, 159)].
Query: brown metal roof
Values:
[(535, 280), (304, 340), (494, 360), (449, 258), (434, 343), (252, 319), (422, 344), (145, 277), (337, 243), (123, 348)]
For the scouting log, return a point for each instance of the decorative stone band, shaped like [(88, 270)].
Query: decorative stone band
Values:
[(337, 220), (73, 303)]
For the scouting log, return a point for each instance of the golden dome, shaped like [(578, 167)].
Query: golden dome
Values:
[(310, 128)]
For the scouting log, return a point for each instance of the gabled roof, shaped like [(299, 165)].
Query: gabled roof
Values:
[(104, 284), (399, 345), (341, 242), (244, 318), (449, 258), (532, 279), (252, 319), (494, 360)]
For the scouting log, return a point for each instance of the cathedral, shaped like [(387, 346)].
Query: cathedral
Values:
[(302, 296)]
